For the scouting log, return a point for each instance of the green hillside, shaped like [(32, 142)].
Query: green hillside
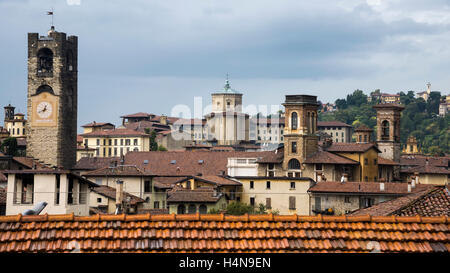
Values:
[(420, 119)]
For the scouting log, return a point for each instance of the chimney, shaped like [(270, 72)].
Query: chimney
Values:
[(163, 120), (381, 186), (119, 196), (409, 186), (416, 174)]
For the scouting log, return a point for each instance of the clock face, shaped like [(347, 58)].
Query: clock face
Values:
[(44, 109)]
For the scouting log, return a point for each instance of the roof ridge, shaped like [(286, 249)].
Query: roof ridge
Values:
[(222, 217)]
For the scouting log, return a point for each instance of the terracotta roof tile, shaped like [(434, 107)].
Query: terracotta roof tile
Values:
[(111, 193), (223, 233), (115, 133), (329, 158), (351, 147)]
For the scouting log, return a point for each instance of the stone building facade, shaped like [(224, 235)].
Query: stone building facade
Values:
[(52, 98)]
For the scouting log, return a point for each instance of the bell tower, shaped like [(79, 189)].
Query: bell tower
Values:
[(300, 132), (388, 130), (52, 98)]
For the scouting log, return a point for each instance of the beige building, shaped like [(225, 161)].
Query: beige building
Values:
[(116, 142), (343, 198), (64, 192), (15, 123), (284, 195), (339, 131)]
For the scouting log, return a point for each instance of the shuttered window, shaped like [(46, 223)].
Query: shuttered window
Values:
[(291, 202), (268, 203)]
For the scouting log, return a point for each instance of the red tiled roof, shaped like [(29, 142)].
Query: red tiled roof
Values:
[(137, 115), (363, 128), (110, 192), (187, 163), (351, 147), (145, 124), (115, 132), (96, 124), (116, 171), (429, 202), (28, 162), (420, 160), (218, 180), (223, 233), (94, 163), (332, 123), (365, 188), (324, 157), (385, 161), (204, 195), (426, 169)]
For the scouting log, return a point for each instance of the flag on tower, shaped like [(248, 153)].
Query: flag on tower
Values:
[(49, 12)]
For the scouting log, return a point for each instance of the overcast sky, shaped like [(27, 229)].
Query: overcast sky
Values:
[(150, 55)]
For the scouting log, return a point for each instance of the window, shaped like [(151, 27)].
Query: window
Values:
[(98, 142), (45, 61), (127, 142), (115, 142), (268, 185), (192, 209), (268, 203), (156, 205), (291, 202), (347, 199), (366, 178), (293, 185), (147, 186), (294, 147), (109, 142), (181, 209), (294, 121), (115, 151), (375, 162), (294, 164), (252, 201), (58, 187), (375, 178), (135, 142), (99, 200), (366, 161), (365, 138), (109, 151), (104, 142), (360, 138), (252, 184), (318, 167), (385, 130), (121, 142), (202, 209)]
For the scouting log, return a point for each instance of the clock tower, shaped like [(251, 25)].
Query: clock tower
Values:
[(52, 98)]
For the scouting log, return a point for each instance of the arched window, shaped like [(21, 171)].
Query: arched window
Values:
[(293, 164), (192, 209), (294, 120), (202, 209), (44, 88), (181, 209), (385, 130), (45, 60)]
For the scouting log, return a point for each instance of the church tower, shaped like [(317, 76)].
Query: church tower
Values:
[(300, 132), (388, 132), (226, 122), (52, 98)]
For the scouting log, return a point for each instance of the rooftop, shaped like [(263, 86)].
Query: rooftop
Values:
[(223, 233), (365, 188), (351, 147), (429, 202)]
